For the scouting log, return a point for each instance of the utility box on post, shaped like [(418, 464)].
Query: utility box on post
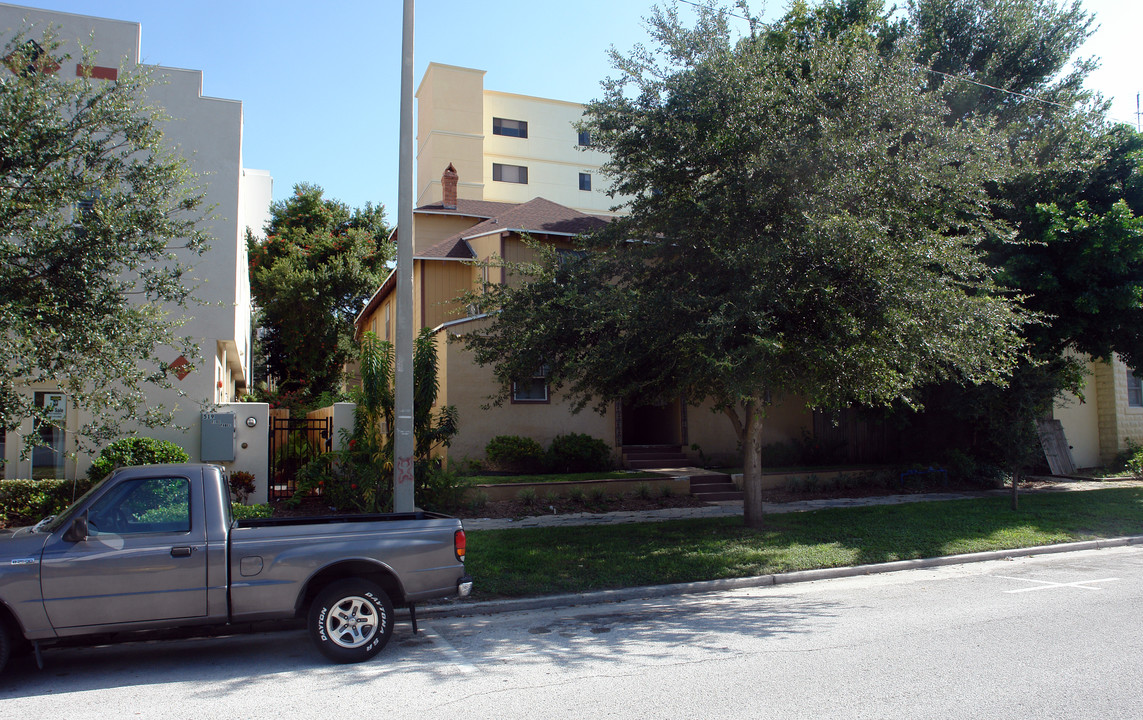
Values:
[(217, 437)]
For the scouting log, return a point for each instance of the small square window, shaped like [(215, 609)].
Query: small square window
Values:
[(1134, 390), (510, 173), (509, 128), (585, 181), (533, 389), (584, 138)]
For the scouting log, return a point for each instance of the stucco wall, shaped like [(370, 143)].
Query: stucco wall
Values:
[(468, 386), (208, 132)]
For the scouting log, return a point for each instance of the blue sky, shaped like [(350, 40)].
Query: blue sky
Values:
[(320, 82)]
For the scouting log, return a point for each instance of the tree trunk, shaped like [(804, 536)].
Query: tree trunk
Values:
[(752, 469)]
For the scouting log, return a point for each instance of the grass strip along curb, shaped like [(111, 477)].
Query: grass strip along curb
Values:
[(571, 561)]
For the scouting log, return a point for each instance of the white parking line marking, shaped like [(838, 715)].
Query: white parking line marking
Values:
[(1046, 585), (461, 664)]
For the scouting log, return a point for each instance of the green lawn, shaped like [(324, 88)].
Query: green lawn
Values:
[(541, 561), (564, 477)]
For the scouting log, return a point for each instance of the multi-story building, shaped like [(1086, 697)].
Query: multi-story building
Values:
[(495, 170), (505, 148), (208, 133)]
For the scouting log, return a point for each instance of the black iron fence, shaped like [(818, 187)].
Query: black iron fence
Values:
[(293, 443)]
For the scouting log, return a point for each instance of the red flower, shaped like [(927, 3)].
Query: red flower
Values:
[(353, 486)]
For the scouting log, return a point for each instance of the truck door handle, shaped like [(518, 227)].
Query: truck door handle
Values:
[(181, 552)]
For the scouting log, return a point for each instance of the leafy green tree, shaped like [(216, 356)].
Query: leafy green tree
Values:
[(319, 262), (1073, 257), (361, 475), (98, 218), (803, 226)]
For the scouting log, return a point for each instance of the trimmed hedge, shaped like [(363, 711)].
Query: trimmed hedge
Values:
[(577, 453), (513, 453), (24, 502), (135, 451)]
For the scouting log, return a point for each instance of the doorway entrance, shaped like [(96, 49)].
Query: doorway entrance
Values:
[(642, 424)]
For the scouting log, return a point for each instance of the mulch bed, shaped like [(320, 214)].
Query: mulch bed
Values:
[(633, 502)]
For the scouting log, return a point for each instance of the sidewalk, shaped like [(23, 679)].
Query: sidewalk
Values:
[(734, 508)]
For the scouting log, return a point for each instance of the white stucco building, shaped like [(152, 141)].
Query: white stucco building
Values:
[(208, 132)]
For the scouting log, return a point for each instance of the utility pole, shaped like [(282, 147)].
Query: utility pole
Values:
[(403, 445)]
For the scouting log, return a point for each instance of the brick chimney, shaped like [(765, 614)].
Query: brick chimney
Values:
[(448, 187)]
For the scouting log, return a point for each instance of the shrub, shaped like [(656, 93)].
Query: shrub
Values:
[(23, 502), (577, 452), (440, 489), (512, 453), (1132, 458), (478, 500), (527, 495), (241, 485), (242, 512), (135, 451)]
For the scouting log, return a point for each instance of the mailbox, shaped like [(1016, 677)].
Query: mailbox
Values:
[(218, 437)]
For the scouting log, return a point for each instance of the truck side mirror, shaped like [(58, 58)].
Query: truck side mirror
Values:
[(77, 532)]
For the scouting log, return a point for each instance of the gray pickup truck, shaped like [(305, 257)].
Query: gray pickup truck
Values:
[(155, 547)]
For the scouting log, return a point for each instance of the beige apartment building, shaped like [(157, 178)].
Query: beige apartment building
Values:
[(505, 148)]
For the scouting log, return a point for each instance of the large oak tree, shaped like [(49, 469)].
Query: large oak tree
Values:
[(803, 227)]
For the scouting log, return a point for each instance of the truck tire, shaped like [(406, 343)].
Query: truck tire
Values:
[(5, 643), (350, 620)]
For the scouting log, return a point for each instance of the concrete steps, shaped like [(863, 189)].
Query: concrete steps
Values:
[(715, 486), (644, 457)]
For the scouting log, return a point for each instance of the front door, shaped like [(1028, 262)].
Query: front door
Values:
[(652, 424), (144, 559)]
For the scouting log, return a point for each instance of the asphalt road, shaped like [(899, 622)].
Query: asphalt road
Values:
[(1055, 636)]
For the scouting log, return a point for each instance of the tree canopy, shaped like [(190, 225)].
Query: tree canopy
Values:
[(94, 212), (804, 225), (309, 277)]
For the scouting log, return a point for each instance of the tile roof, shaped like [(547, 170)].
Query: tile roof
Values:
[(537, 216), (471, 208)]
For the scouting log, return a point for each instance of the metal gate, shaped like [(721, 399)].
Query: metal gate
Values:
[(293, 443)]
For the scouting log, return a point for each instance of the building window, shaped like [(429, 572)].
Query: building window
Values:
[(510, 173), (585, 181), (509, 128), (533, 389), (48, 455), (1134, 390), (388, 318), (584, 138)]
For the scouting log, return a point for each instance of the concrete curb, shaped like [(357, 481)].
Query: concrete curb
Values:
[(490, 607)]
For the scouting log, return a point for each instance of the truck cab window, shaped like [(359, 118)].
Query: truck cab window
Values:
[(146, 505)]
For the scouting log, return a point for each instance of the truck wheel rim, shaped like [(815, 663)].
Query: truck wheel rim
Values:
[(352, 622)]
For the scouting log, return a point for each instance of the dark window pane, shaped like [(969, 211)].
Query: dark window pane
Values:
[(509, 128)]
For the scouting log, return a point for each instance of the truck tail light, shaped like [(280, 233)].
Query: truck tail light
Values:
[(458, 544)]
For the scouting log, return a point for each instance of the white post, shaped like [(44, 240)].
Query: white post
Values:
[(403, 500)]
